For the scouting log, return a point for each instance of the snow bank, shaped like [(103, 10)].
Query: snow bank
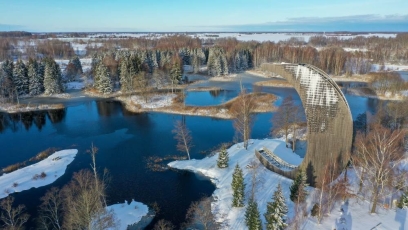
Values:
[(155, 101), (389, 67), (30, 177), (128, 214)]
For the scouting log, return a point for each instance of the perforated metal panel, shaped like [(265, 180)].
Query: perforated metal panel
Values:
[(329, 120)]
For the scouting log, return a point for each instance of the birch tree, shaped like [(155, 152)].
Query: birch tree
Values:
[(183, 137), (12, 218), (282, 119), (242, 110), (378, 154)]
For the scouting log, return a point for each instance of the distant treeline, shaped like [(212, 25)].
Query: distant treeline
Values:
[(227, 55), (15, 34)]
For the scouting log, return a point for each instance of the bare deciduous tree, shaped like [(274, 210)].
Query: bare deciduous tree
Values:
[(13, 218), (295, 120), (183, 137), (282, 119), (50, 213), (199, 214), (141, 84), (84, 205), (242, 110), (254, 171), (378, 154), (329, 189), (163, 225)]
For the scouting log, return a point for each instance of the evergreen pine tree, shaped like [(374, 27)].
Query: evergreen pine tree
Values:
[(223, 158), (7, 68), (238, 187), (403, 201), (175, 75), (36, 81), (77, 63), (276, 211), (252, 216), (103, 82), (6, 79), (20, 78), (130, 66), (298, 190), (52, 77), (124, 76)]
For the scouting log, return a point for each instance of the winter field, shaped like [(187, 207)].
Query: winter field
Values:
[(261, 37), (355, 213)]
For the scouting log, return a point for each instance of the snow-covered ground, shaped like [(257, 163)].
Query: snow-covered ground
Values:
[(261, 37), (155, 101), (276, 37), (30, 177), (390, 67), (128, 214), (355, 213), (225, 213)]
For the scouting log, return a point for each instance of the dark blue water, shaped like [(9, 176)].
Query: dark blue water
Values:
[(126, 139), (214, 97)]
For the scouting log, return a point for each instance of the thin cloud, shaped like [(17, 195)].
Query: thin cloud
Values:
[(345, 19), (358, 23)]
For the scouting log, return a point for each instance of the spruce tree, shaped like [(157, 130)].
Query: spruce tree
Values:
[(52, 77), (36, 80), (252, 216), (223, 158), (238, 187), (20, 78), (7, 69), (6, 79), (77, 63), (276, 211), (403, 201), (130, 66), (103, 82), (175, 75), (298, 190)]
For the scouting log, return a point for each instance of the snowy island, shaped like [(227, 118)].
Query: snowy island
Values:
[(353, 214), (37, 175), (129, 214)]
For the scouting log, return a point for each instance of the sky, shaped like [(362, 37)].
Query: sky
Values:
[(203, 15)]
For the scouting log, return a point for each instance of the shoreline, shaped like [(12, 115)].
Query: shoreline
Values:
[(21, 108), (359, 92), (264, 104), (270, 81)]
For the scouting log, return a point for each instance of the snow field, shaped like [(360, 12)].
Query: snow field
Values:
[(23, 179)]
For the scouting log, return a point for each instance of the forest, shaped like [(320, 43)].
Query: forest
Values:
[(134, 63)]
